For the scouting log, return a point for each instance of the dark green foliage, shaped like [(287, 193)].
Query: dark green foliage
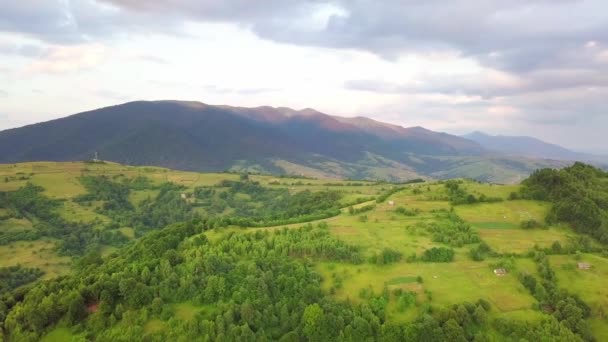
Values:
[(254, 205), (15, 276), (355, 211), (579, 194), (438, 254), (405, 300), (531, 224), (386, 256), (451, 230), (101, 188), (407, 212), (480, 252), (29, 202), (74, 238)]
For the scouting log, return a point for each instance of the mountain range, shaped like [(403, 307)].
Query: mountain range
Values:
[(202, 137), (529, 146)]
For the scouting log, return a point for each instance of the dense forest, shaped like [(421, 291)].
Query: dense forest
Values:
[(579, 194)]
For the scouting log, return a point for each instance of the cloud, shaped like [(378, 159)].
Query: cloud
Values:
[(64, 59), (490, 83), (3, 93), (240, 91), (153, 59)]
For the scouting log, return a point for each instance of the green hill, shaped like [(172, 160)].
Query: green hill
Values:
[(103, 251)]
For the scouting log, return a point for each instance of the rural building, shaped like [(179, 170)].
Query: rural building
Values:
[(184, 196), (500, 271), (584, 265), (391, 203)]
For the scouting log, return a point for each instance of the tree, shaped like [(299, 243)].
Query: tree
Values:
[(312, 320), (453, 331)]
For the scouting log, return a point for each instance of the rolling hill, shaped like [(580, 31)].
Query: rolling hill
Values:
[(200, 137)]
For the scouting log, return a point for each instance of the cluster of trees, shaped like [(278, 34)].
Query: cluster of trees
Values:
[(14, 276), (566, 309), (531, 224), (451, 230), (255, 205), (579, 194), (407, 212), (355, 211), (165, 208), (481, 251), (457, 195), (434, 254), (386, 256)]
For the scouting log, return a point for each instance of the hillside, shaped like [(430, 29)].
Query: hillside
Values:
[(156, 254), (198, 137)]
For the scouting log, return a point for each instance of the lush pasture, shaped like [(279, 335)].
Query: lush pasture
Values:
[(40, 254), (518, 240), (513, 212), (448, 283), (15, 225), (59, 334)]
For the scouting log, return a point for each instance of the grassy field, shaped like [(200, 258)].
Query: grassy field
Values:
[(39, 254), (58, 334)]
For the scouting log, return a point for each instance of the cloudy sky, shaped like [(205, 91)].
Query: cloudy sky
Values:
[(526, 67)]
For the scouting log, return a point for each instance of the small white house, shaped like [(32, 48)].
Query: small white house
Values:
[(391, 203), (184, 196)]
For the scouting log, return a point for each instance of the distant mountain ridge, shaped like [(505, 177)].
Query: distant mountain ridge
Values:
[(529, 146), (197, 136)]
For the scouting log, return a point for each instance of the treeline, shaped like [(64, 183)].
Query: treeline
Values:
[(579, 194), (254, 205), (384, 196)]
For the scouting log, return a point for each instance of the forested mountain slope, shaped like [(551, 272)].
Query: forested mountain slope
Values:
[(196, 136)]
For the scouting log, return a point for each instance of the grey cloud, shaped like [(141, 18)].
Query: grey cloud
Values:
[(537, 81), (517, 35), (23, 50)]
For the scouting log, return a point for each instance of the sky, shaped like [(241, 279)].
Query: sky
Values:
[(518, 67)]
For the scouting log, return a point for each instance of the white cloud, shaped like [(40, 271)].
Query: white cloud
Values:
[(62, 59)]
